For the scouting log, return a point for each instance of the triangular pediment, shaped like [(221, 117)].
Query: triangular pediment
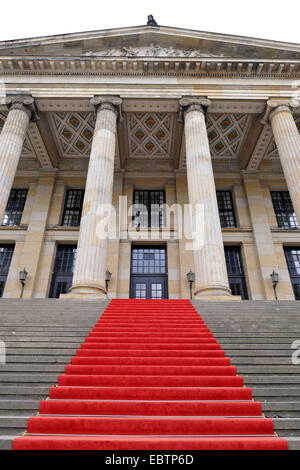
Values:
[(146, 41)]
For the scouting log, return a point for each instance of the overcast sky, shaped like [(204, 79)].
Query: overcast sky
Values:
[(267, 19)]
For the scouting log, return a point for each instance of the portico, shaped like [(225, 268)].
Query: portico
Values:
[(159, 125)]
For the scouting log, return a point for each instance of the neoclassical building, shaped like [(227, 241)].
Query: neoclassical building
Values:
[(154, 117)]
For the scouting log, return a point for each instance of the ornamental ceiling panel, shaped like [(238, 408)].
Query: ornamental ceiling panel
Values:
[(226, 135), (73, 133), (150, 134)]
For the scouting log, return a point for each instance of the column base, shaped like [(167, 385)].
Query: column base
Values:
[(217, 292), (85, 292)]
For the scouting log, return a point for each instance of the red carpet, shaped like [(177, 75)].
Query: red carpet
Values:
[(150, 376)]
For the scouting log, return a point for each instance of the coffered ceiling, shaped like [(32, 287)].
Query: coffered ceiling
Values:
[(149, 131)]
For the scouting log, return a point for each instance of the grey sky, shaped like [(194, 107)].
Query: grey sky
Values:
[(268, 19)]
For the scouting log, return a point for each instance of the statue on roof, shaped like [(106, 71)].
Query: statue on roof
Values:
[(151, 21)]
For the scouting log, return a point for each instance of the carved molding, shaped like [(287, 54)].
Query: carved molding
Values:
[(261, 147), (38, 146), (149, 65)]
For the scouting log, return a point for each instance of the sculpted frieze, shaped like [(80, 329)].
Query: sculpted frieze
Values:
[(150, 51)]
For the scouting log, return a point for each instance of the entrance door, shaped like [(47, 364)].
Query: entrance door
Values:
[(6, 252), (293, 262), (63, 270), (149, 278), (235, 270)]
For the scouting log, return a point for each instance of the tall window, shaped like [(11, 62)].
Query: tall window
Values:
[(73, 208), (14, 208), (293, 261), (147, 208), (6, 252), (226, 210), (284, 211)]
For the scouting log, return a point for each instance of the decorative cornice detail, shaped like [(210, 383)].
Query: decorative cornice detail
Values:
[(110, 102), (149, 65), (24, 103)]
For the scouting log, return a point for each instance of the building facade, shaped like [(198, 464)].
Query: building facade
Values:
[(156, 122)]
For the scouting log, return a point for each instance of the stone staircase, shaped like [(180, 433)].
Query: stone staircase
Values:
[(40, 336), (257, 336)]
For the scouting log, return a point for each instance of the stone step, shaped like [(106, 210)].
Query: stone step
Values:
[(287, 426), (43, 334), (271, 379), (29, 368), (14, 378), (42, 339), (13, 425), (279, 409), (7, 441), (245, 370), (41, 345), (19, 407), (58, 359), (279, 393), (24, 392), (50, 351)]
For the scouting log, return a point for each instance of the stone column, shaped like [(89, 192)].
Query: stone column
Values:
[(210, 267), (287, 139), (91, 258), (21, 111)]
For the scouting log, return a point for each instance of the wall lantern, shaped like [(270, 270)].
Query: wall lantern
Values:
[(275, 280), (191, 279), (22, 279), (108, 275)]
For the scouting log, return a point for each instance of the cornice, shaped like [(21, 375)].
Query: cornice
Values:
[(144, 66)]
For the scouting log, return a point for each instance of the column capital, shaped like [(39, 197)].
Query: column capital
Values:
[(192, 103), (24, 103), (111, 102), (277, 105)]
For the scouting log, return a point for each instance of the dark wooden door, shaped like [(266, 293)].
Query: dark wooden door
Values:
[(149, 287), (149, 279), (63, 270)]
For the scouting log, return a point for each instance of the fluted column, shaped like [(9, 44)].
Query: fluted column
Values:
[(91, 258), (287, 139), (21, 111), (210, 267)]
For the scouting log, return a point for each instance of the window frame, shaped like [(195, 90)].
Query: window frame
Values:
[(231, 213), (284, 215), (161, 214), (74, 209), (12, 212)]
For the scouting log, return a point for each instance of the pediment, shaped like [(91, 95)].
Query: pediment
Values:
[(150, 42)]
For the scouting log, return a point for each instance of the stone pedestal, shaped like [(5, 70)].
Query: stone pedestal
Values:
[(287, 139), (209, 259), (21, 111), (91, 258)]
